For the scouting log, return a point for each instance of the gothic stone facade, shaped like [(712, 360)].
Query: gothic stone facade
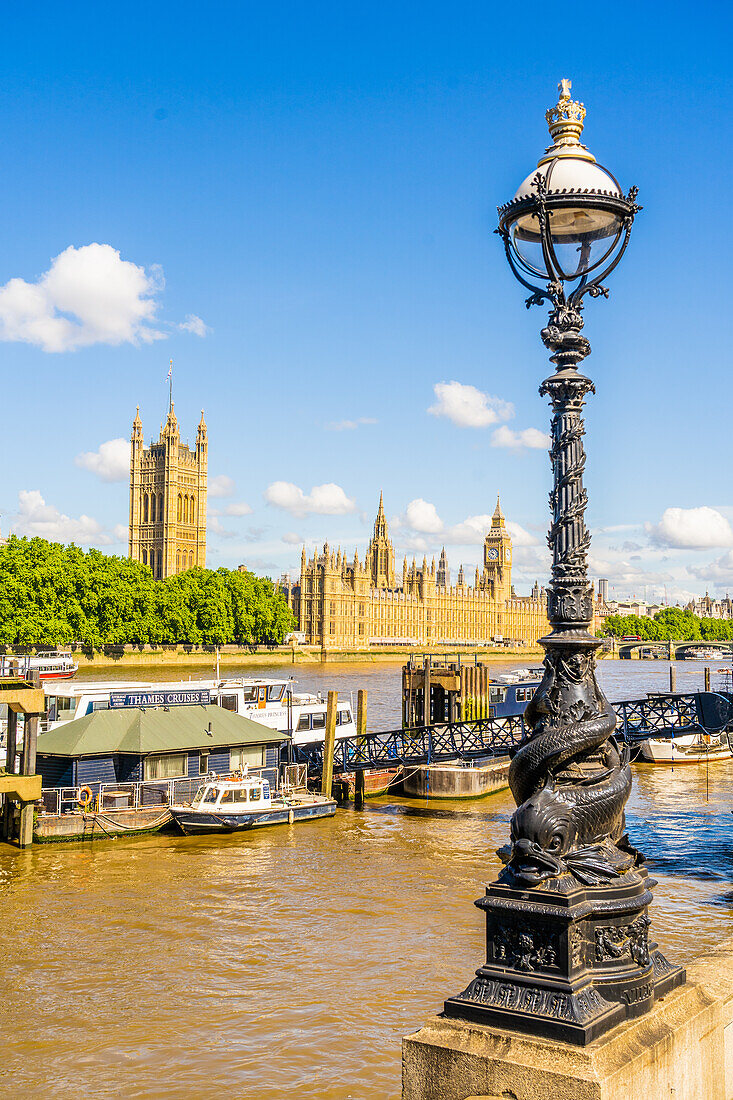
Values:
[(168, 499), (340, 604)]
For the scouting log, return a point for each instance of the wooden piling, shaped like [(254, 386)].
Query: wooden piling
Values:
[(329, 744), (426, 717), (672, 677), (28, 767), (12, 741), (707, 679), (361, 729)]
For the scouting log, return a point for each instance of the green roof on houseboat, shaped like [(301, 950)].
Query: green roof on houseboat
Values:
[(155, 729)]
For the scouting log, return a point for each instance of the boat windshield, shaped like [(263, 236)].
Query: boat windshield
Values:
[(212, 793), (198, 796)]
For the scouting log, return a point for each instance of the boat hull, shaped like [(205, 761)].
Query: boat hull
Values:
[(376, 782), (682, 750), (193, 822)]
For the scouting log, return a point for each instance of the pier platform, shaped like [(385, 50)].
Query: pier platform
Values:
[(453, 781)]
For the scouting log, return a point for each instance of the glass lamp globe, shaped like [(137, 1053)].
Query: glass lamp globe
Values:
[(584, 206)]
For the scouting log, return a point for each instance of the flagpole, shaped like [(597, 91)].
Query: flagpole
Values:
[(170, 387)]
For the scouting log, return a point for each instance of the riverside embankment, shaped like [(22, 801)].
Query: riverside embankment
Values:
[(292, 962), (204, 657)]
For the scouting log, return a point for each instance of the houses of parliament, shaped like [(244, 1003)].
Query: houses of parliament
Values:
[(352, 604), (168, 498)]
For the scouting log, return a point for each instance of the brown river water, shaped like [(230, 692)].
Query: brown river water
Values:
[(290, 962)]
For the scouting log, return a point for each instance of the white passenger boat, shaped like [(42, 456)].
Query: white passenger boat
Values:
[(274, 703), (245, 802), (49, 666), (692, 748)]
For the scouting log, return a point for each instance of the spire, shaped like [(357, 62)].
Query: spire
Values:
[(380, 510), (461, 579), (497, 520), (137, 425), (202, 426)]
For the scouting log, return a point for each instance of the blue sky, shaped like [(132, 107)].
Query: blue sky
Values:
[(296, 203)]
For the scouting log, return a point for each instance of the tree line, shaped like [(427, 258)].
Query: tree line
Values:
[(669, 624), (53, 595)]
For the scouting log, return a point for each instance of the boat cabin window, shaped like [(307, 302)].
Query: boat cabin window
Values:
[(166, 766), (275, 692), (240, 794), (255, 794), (319, 720), (60, 707), (227, 796), (250, 695), (523, 694), (212, 793), (496, 694), (198, 796), (304, 722), (228, 702), (343, 717)]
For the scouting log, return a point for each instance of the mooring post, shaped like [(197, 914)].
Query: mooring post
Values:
[(329, 744), (707, 679), (361, 729), (672, 677), (12, 741), (427, 717), (28, 767)]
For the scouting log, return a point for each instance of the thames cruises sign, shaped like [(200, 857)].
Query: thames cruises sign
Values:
[(120, 699)]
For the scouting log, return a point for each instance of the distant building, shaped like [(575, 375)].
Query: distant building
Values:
[(168, 499), (340, 603), (705, 607), (603, 590)]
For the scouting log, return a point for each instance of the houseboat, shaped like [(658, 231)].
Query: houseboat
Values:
[(274, 703), (117, 771), (509, 692), (244, 802)]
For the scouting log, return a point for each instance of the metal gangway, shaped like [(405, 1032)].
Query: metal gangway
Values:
[(657, 715)]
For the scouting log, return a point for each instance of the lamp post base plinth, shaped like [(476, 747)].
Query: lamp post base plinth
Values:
[(567, 961)]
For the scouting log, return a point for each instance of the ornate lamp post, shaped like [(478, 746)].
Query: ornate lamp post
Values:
[(567, 930)]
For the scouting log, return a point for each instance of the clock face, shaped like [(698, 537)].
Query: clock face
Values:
[(493, 554)]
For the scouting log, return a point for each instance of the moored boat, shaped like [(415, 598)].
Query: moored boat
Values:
[(245, 802), (693, 748)]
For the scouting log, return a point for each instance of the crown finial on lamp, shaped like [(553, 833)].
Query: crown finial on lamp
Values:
[(565, 121)]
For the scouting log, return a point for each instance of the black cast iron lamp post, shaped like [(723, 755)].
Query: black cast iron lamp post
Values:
[(567, 930)]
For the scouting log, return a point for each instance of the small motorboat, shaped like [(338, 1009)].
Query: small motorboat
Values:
[(694, 748), (234, 803)]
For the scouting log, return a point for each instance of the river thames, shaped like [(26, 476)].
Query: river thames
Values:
[(291, 961)]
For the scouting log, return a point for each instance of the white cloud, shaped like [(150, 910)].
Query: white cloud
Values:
[(238, 508), (111, 462), (720, 571), (221, 486), (469, 407), (691, 529), (121, 533), (89, 295), (195, 325), (349, 425), (292, 539), (35, 518), (423, 516), (324, 500), (531, 438)]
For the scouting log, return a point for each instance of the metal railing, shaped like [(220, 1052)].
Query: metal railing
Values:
[(659, 716), (139, 795)]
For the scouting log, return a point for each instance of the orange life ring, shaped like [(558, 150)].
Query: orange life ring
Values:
[(85, 797)]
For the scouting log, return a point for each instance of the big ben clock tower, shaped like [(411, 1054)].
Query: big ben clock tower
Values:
[(498, 556)]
